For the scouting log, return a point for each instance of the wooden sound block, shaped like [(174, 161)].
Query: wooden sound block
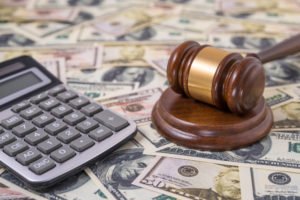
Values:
[(193, 124)]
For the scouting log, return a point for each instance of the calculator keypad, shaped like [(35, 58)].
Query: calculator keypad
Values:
[(55, 126)]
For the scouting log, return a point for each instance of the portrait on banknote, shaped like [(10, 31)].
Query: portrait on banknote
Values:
[(120, 168), (281, 73), (243, 42), (252, 152), (14, 39), (287, 116), (144, 34), (84, 2), (142, 75), (226, 186)]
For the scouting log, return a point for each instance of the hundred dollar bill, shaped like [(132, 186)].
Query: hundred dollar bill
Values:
[(77, 57), (63, 37), (274, 96), (134, 17), (9, 38), (56, 66), (89, 33), (134, 54), (240, 41), (144, 76), (78, 187), (101, 89), (184, 179), (269, 184), (126, 54), (150, 138), (46, 14), (287, 116), (293, 90), (9, 191), (277, 151), (160, 65), (282, 72), (135, 105), (159, 34), (42, 29), (117, 171)]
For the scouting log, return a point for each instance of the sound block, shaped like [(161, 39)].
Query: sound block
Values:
[(193, 124)]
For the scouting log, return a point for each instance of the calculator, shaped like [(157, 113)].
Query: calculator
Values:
[(48, 131)]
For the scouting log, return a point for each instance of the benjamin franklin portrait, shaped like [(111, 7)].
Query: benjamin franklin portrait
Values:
[(120, 168), (142, 75), (281, 72), (252, 152)]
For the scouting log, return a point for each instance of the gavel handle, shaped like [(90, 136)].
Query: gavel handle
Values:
[(285, 48)]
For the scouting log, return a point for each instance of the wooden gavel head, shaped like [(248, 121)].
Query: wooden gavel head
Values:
[(217, 77)]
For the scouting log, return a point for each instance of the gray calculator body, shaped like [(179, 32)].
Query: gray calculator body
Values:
[(22, 79)]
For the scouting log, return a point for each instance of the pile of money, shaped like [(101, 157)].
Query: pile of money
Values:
[(116, 52)]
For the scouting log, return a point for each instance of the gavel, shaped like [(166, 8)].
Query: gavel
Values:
[(223, 79)]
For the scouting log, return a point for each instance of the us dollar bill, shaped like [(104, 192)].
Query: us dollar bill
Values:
[(196, 180), (264, 154), (117, 171), (101, 89), (150, 138), (10, 191), (145, 76), (56, 66), (274, 96), (293, 90), (270, 184), (287, 116), (184, 179), (78, 187), (135, 105), (282, 72), (76, 57)]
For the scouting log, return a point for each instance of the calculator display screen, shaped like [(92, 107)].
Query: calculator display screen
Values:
[(21, 83), (18, 83)]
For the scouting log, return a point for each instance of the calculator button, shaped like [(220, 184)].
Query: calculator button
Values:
[(74, 118), (49, 104), (20, 106), (56, 90), (42, 165), (43, 120), (55, 127), (49, 145), (61, 111), (82, 143), (15, 148), (29, 156), (100, 133), (6, 138), (111, 120), (12, 122), (31, 112), (23, 129), (79, 102), (36, 137), (91, 109), (87, 125), (62, 154), (66, 96), (68, 135), (38, 98)]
